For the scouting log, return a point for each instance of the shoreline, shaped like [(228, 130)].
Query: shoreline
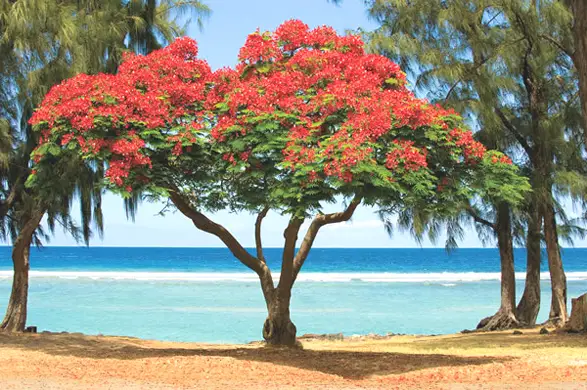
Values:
[(481, 360)]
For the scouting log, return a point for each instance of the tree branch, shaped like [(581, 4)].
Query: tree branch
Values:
[(317, 223), (473, 213), (258, 244), (290, 234), (10, 199), (557, 44), (451, 89), (205, 224), (508, 125), (28, 229)]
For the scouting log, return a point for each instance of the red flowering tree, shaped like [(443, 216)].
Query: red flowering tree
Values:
[(305, 118)]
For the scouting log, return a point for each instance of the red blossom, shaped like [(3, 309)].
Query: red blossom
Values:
[(332, 107), (472, 150)]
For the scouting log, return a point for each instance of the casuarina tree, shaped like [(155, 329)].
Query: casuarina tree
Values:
[(305, 118), (42, 43), (491, 61)]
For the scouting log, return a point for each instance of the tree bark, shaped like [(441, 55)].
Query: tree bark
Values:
[(16, 312), (505, 318), (317, 223), (558, 280), (578, 319), (278, 328), (529, 306), (579, 56)]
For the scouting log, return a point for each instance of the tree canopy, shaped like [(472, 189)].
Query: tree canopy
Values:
[(306, 117)]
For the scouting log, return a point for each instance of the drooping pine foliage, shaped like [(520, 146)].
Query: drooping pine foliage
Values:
[(42, 43), (485, 59), (498, 63)]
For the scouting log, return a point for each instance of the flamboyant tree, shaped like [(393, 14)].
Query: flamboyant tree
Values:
[(305, 118)]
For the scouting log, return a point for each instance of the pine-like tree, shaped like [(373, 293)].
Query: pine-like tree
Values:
[(488, 59), (42, 43)]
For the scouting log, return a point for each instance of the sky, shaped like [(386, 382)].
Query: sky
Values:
[(219, 41)]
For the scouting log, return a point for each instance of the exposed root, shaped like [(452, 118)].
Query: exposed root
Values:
[(502, 320)]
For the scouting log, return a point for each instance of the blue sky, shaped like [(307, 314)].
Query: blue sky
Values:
[(219, 42)]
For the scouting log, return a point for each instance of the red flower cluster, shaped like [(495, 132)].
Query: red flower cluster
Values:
[(407, 155), (316, 96), (162, 91), (333, 100), (472, 150), (503, 159)]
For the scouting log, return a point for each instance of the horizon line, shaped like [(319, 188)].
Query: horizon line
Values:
[(269, 247)]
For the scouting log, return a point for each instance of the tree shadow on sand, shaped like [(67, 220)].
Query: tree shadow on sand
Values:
[(347, 364)]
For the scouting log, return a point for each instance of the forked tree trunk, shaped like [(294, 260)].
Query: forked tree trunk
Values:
[(558, 280), (278, 328), (16, 312), (529, 306), (505, 318)]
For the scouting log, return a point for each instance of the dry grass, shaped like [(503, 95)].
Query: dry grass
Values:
[(485, 360)]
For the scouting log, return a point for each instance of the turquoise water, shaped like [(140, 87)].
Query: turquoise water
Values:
[(203, 295)]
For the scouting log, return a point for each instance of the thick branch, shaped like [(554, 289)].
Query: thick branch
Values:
[(28, 229), (508, 125), (205, 224), (317, 223), (473, 213), (258, 243), (10, 199), (290, 234)]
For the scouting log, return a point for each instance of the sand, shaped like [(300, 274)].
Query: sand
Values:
[(480, 361)]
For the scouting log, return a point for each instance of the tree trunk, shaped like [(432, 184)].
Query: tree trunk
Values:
[(579, 10), (15, 318), (578, 319), (16, 312), (529, 306), (505, 318), (558, 280), (278, 328)]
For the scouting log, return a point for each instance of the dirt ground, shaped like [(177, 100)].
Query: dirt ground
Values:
[(463, 361)]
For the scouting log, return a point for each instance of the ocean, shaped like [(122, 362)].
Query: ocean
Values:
[(205, 295)]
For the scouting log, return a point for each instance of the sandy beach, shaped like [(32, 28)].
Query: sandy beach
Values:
[(479, 360)]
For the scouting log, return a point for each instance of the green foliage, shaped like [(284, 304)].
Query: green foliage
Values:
[(42, 43), (496, 63)]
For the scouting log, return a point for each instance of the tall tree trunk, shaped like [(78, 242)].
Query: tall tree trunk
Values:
[(16, 312), (505, 318), (558, 280), (529, 306), (579, 10)]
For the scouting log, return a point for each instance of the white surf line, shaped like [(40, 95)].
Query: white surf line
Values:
[(379, 277)]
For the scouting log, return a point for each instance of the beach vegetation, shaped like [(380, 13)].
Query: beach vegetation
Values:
[(305, 119)]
